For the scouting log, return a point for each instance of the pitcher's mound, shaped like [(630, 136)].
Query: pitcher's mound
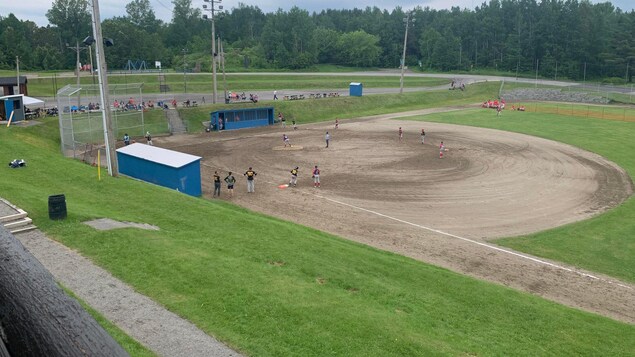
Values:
[(288, 148)]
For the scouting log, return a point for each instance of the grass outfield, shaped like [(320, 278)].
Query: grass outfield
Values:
[(270, 288), (603, 244)]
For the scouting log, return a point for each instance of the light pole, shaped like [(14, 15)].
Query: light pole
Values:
[(17, 72), (212, 10), (77, 50), (184, 77), (109, 137), (407, 21)]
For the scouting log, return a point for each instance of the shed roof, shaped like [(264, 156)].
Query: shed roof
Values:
[(10, 81), (159, 155)]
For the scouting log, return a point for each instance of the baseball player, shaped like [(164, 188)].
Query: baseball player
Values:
[(294, 177), (400, 134), (285, 138), (423, 136), (316, 177), (251, 174), (216, 184)]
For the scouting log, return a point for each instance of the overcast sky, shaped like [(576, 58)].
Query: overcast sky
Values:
[(35, 10)]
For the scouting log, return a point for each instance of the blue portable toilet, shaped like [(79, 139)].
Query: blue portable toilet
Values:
[(355, 89), (163, 167), (12, 107)]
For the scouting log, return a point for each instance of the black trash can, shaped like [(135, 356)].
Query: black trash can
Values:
[(57, 207)]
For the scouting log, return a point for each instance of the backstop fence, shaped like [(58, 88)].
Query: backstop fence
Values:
[(81, 118)]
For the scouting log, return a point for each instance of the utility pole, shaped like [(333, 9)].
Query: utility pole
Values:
[(212, 10), (109, 137), (17, 72), (77, 50), (92, 69), (222, 58), (184, 76), (537, 64), (407, 21)]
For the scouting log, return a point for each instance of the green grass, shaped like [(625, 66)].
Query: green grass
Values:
[(315, 110), (202, 82), (133, 347), (602, 244), (270, 288)]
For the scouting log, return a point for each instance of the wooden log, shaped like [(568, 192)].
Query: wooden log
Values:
[(36, 317)]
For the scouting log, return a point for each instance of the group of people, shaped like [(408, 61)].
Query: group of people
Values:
[(250, 174), (315, 176), (131, 104), (283, 121), (148, 137)]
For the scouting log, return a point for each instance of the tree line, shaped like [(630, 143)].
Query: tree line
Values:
[(554, 38)]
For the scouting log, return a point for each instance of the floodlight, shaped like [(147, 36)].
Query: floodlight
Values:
[(88, 41)]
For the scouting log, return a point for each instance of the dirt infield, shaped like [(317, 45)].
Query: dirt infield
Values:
[(401, 197)]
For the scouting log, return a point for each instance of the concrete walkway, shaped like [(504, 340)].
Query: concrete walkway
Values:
[(158, 329)]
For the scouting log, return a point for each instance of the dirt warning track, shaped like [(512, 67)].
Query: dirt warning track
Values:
[(399, 196)]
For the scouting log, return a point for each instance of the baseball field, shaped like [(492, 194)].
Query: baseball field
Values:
[(399, 252)]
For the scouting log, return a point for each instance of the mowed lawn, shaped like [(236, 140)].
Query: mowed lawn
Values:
[(271, 288), (603, 244), (202, 82)]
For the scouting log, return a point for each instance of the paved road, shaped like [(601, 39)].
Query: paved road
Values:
[(268, 95)]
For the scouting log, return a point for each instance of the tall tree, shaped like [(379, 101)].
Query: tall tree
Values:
[(358, 49), (186, 21), (140, 13), (72, 19)]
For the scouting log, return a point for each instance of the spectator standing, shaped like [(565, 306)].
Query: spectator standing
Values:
[(251, 174), (126, 139), (275, 95)]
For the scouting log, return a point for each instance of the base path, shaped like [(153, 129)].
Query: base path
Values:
[(401, 197)]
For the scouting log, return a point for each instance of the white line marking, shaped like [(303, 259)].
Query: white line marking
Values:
[(540, 261)]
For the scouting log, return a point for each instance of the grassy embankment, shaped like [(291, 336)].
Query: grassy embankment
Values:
[(602, 244), (269, 287)]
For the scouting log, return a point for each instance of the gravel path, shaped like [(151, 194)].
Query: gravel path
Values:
[(158, 329)]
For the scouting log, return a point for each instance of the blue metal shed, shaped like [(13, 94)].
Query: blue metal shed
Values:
[(229, 119), (160, 166), (355, 89)]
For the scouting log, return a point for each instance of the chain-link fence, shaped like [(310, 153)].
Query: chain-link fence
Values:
[(571, 100), (81, 118)]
